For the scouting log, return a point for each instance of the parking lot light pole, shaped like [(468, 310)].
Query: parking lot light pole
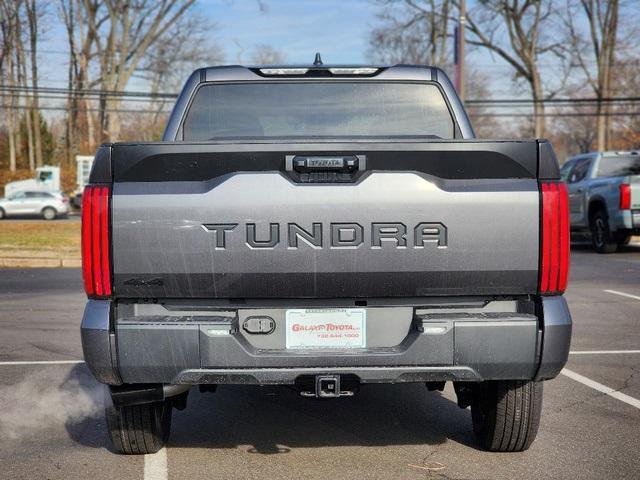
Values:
[(460, 50)]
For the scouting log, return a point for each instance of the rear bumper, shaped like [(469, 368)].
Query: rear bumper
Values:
[(462, 347)]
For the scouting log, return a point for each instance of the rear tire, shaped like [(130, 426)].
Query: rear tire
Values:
[(139, 429), (49, 213), (601, 237), (2, 214), (506, 414)]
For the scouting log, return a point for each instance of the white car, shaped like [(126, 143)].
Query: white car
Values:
[(48, 205)]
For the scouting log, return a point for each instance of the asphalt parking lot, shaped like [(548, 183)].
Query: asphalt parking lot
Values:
[(51, 424)]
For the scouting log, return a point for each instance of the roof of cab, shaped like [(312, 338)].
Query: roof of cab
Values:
[(382, 72)]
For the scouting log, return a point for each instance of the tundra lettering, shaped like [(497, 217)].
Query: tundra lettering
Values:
[(343, 235)]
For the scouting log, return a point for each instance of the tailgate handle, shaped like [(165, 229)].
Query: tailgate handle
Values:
[(324, 168)]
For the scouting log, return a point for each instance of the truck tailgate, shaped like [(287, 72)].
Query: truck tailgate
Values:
[(229, 221)]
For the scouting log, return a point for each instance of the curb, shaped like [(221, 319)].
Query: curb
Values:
[(21, 257), (51, 262)]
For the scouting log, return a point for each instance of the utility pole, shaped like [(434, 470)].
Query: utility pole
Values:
[(462, 20)]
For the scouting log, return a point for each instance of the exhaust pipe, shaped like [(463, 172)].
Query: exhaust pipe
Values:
[(138, 394)]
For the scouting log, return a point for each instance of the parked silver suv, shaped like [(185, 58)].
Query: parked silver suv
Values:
[(48, 205), (604, 196)]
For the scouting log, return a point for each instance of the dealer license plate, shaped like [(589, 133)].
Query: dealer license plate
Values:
[(314, 328)]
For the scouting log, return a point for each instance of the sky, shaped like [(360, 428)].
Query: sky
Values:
[(299, 28), (338, 29)]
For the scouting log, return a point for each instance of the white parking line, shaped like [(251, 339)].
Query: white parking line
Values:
[(601, 388), (155, 466), (622, 294), (44, 362), (602, 352)]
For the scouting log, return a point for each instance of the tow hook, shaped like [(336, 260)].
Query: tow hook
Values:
[(327, 386)]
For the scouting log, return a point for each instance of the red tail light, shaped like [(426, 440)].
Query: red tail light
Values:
[(625, 196), (96, 261), (554, 252)]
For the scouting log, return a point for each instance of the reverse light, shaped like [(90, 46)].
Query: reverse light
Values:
[(555, 244), (284, 71), (318, 72), (353, 70), (625, 196), (96, 261)]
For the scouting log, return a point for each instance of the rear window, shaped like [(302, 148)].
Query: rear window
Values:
[(619, 166), (337, 109)]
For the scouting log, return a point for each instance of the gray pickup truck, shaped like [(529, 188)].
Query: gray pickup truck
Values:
[(604, 197), (324, 227)]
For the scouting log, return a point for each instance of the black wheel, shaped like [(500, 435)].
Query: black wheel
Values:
[(139, 429), (1, 214), (601, 237), (49, 213), (506, 414)]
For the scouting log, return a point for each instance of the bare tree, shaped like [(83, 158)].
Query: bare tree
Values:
[(574, 127), (133, 28), (108, 43), (412, 30), (597, 45), (33, 17), (627, 118), (166, 64), (417, 32), (68, 15), (267, 55), (478, 87), (512, 30), (9, 18), (23, 83), (77, 16)]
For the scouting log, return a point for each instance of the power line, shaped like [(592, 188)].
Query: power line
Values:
[(568, 105), (484, 114), (166, 95), (66, 109), (552, 101), (554, 114), (46, 96), (88, 92), (498, 103)]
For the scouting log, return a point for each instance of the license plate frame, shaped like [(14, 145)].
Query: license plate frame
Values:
[(326, 328)]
